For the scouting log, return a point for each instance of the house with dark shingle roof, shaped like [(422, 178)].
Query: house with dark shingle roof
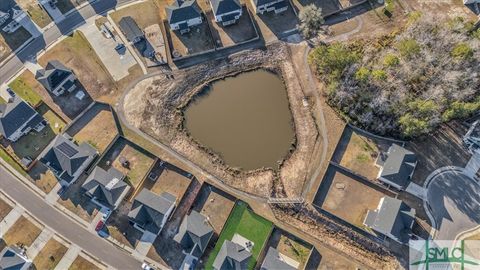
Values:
[(275, 260), (106, 188), (12, 258), (182, 15), (227, 12), (18, 118), (396, 166), (66, 159), (57, 78), (194, 234), (277, 6), (150, 211), (130, 29), (392, 218), (232, 256)]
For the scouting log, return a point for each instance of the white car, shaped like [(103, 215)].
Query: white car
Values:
[(145, 266), (106, 214)]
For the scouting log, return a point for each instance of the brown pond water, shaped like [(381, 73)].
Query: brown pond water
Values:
[(245, 119)]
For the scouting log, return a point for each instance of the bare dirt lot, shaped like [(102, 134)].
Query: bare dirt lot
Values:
[(346, 198), (198, 40), (154, 105), (171, 182), (80, 263), (23, 232), (50, 255), (214, 204), (5, 208)]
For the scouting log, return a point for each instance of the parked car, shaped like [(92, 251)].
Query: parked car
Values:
[(106, 215), (99, 226), (145, 266)]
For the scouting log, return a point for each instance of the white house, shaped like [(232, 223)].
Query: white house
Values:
[(226, 12), (277, 6), (183, 14)]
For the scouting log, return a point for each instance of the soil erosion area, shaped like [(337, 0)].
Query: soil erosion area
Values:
[(155, 106)]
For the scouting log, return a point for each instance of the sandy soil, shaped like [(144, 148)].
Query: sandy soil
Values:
[(155, 106)]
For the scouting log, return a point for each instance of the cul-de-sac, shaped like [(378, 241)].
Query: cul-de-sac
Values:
[(239, 134)]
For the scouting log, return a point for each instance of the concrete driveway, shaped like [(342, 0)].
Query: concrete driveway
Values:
[(454, 200), (116, 64)]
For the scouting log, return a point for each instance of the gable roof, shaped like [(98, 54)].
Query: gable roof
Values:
[(273, 261), (130, 28), (194, 233), (392, 217), (65, 157), (149, 209), (53, 75), (106, 186), (181, 11), (11, 260), (231, 256), (15, 114), (225, 6), (399, 165)]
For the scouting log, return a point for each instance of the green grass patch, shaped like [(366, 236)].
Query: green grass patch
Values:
[(25, 91), (249, 225), (4, 155)]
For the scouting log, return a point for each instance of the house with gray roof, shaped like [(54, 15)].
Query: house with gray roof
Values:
[(150, 211), (277, 6), (392, 218), (13, 258), (182, 15), (232, 256), (106, 188), (274, 260), (130, 29), (66, 159), (194, 234), (396, 166), (4, 16), (472, 138), (57, 78), (226, 12), (18, 118)]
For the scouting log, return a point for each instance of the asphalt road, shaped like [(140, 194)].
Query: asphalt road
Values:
[(60, 223), (454, 199), (72, 21)]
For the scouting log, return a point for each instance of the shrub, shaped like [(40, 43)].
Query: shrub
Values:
[(331, 60), (391, 60), (460, 109), (408, 47), (412, 126), (462, 51), (379, 74), (423, 108), (311, 20), (362, 74), (414, 16)]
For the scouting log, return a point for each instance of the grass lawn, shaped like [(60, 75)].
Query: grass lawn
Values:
[(56, 123), (23, 87), (81, 263), (22, 232), (42, 177), (99, 132), (249, 225), (12, 162), (50, 255), (360, 156), (35, 11), (144, 14), (5, 208)]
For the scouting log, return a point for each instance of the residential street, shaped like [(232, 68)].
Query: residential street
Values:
[(60, 223), (72, 21)]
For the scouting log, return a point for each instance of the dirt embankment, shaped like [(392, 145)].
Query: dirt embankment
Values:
[(155, 106)]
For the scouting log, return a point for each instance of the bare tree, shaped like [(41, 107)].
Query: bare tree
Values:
[(311, 21)]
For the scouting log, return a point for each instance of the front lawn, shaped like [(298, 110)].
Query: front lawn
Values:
[(50, 255), (23, 232), (23, 88), (246, 223)]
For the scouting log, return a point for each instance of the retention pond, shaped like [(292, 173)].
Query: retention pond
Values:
[(245, 119)]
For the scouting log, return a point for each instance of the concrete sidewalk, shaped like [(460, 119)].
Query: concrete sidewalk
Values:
[(145, 243), (39, 243), (10, 219), (68, 258)]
